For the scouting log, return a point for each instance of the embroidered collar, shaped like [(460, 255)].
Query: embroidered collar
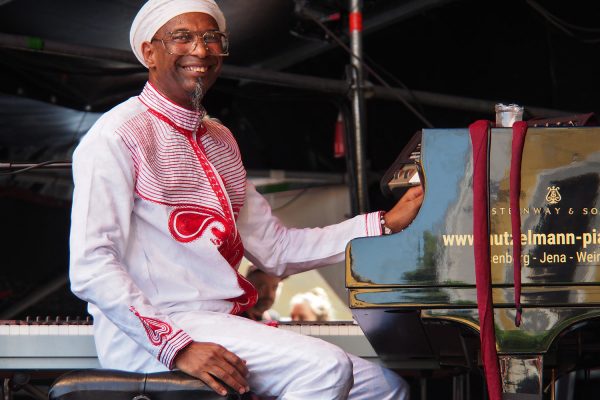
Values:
[(176, 115)]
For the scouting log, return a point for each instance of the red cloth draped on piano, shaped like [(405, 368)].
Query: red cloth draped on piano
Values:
[(518, 141), (479, 132), (480, 140)]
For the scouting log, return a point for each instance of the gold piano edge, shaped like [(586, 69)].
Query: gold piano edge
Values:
[(464, 321), (362, 304)]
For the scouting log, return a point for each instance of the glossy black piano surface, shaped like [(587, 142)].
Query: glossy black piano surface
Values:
[(413, 293)]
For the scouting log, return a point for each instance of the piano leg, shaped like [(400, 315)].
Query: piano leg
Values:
[(565, 386), (521, 376), (423, 384), (459, 383), (21, 382), (6, 390)]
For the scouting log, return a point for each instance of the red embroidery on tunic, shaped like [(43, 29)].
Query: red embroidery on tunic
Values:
[(175, 170), (156, 330), (188, 224)]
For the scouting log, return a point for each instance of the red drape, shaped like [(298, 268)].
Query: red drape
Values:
[(479, 132), (518, 141)]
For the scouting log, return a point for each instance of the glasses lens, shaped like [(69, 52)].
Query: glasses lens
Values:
[(182, 43), (216, 42)]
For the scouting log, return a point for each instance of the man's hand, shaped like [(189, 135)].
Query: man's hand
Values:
[(405, 209), (206, 360)]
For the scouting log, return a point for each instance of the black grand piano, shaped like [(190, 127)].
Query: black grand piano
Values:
[(414, 294)]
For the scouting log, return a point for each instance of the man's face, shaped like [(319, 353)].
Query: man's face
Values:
[(177, 76), (266, 286), (302, 312)]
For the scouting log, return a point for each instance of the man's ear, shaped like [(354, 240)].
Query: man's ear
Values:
[(148, 53)]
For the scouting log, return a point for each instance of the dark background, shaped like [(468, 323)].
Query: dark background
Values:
[(542, 54)]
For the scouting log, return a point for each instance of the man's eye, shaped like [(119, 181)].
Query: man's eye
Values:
[(212, 37), (182, 37)]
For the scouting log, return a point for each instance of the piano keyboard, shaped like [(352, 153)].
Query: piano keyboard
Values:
[(45, 345)]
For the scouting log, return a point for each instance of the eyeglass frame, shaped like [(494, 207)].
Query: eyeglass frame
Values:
[(199, 36)]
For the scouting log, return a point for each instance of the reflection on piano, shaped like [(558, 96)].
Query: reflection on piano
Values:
[(413, 293)]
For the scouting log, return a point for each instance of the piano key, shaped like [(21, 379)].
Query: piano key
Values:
[(324, 330), (32, 329), (13, 330), (334, 330), (67, 346), (344, 331), (314, 330)]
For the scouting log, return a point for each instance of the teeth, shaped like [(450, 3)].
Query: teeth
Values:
[(196, 69)]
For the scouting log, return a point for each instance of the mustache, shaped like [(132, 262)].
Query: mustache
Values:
[(197, 95)]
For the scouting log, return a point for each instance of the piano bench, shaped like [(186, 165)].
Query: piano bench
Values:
[(106, 384)]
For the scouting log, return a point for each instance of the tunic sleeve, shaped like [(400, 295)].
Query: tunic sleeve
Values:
[(104, 176), (285, 251)]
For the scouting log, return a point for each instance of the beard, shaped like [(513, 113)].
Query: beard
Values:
[(197, 95)]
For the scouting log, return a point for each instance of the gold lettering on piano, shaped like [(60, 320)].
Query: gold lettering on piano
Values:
[(544, 211), (507, 258), (553, 196), (529, 238)]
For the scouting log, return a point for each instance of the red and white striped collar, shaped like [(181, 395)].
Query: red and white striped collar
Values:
[(187, 119)]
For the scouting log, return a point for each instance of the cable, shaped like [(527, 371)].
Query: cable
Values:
[(394, 79), (343, 45), (290, 201), (564, 26), (39, 165)]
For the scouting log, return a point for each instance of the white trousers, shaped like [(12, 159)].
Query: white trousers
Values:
[(284, 364)]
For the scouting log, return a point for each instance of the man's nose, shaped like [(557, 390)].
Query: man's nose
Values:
[(200, 50)]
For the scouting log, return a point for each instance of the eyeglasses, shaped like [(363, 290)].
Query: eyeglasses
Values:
[(183, 43)]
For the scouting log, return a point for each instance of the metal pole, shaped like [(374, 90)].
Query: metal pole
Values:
[(358, 104)]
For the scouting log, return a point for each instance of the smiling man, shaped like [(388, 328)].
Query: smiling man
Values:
[(162, 215)]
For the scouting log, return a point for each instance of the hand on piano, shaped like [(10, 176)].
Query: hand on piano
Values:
[(208, 360), (405, 210)]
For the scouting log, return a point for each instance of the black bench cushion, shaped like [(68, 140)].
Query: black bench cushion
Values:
[(105, 384)]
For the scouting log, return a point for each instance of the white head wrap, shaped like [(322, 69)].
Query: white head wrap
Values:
[(155, 13)]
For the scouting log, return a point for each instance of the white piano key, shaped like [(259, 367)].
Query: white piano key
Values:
[(33, 330), (44, 329), (23, 329), (73, 329), (52, 329), (354, 330), (315, 330), (63, 330), (324, 330), (4, 330), (293, 328), (86, 330), (334, 330), (304, 329), (343, 330)]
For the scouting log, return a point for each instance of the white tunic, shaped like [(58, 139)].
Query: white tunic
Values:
[(162, 214)]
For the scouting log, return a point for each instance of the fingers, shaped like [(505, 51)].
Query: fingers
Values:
[(236, 362), (212, 383), (231, 377), (205, 359), (413, 193), (405, 210)]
